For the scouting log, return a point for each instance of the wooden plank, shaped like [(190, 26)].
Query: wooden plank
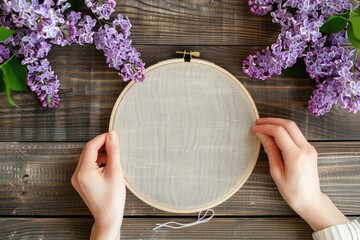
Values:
[(45, 228), (141, 228), (89, 90), (204, 22), (35, 180)]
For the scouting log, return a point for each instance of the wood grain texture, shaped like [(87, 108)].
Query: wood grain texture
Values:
[(39, 148), (140, 228), (89, 90), (45, 228), (35, 180), (202, 22)]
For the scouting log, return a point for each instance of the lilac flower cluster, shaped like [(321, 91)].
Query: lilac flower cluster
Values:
[(102, 8), (40, 24), (327, 62), (261, 7), (4, 53), (44, 83), (113, 40)]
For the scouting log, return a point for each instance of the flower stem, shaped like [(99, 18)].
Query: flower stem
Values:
[(4, 63), (354, 63), (99, 21), (104, 21)]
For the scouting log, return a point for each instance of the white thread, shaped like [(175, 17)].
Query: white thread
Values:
[(176, 225)]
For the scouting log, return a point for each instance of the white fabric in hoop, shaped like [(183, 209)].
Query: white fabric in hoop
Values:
[(185, 135)]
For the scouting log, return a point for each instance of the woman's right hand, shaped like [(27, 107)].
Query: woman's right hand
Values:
[(99, 180), (293, 166)]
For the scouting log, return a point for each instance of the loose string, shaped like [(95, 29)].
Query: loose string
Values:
[(175, 225)]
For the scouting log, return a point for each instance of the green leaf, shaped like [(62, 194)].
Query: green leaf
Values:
[(5, 33), (17, 75), (356, 26), (353, 14), (297, 70), (13, 77), (354, 41), (7, 87), (334, 24), (2, 84), (357, 11)]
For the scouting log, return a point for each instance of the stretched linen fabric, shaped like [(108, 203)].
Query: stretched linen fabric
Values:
[(349, 231), (185, 135)]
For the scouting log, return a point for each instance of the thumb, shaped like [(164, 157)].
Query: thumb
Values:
[(274, 155), (113, 153)]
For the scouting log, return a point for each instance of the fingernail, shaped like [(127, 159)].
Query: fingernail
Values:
[(112, 137)]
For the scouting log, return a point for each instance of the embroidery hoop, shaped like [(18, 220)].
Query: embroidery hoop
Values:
[(157, 83)]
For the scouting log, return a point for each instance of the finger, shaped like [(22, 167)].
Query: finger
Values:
[(280, 135), (290, 126), (90, 153), (113, 153), (274, 155)]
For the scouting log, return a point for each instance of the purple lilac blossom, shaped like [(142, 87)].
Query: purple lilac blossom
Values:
[(119, 53), (103, 9), (261, 7), (36, 26), (337, 39), (350, 96), (43, 81), (327, 62), (4, 53), (41, 24), (330, 7), (323, 98), (261, 65), (85, 34), (69, 32), (350, 89), (33, 48)]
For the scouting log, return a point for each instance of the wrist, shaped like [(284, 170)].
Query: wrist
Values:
[(106, 231), (322, 214)]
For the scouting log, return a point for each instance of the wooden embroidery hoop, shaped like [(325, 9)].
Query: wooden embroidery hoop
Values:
[(129, 89)]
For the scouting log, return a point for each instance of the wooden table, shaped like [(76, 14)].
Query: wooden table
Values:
[(39, 148)]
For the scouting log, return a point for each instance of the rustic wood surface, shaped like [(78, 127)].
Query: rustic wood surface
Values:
[(35, 180), (89, 90), (140, 228), (39, 148)]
